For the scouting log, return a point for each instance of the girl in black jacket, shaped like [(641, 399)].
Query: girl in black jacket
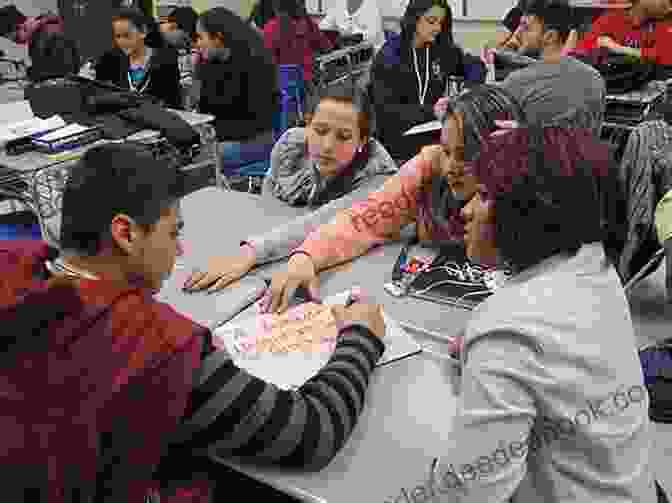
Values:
[(410, 72), (139, 60), (238, 85)]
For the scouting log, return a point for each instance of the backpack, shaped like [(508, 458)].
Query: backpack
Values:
[(622, 74), (656, 363)]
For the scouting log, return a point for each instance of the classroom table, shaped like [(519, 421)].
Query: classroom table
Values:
[(410, 403), (46, 174)]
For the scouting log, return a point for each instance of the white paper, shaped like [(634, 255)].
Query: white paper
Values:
[(427, 127), (63, 132), (291, 370), (18, 121), (15, 111)]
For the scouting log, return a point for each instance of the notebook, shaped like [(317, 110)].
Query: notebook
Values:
[(295, 359)]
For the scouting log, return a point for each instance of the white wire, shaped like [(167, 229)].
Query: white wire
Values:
[(422, 90)]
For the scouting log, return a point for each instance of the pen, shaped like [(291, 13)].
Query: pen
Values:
[(399, 264)]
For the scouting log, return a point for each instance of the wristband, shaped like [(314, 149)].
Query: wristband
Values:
[(301, 252), (251, 248)]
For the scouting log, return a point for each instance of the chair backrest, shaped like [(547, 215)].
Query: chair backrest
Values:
[(290, 77)]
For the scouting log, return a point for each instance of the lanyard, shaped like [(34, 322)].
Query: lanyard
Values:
[(422, 90), (142, 89)]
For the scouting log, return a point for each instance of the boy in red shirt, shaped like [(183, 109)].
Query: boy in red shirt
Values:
[(643, 31)]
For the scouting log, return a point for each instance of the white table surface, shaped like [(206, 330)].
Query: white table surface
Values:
[(410, 403)]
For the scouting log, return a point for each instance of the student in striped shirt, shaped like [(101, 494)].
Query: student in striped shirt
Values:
[(99, 377)]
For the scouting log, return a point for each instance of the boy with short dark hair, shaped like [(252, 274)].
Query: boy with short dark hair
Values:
[(97, 374), (558, 90)]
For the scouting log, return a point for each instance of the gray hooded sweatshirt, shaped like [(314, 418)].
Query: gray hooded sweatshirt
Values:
[(294, 178)]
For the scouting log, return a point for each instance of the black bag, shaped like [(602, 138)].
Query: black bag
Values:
[(656, 363), (622, 74), (175, 129)]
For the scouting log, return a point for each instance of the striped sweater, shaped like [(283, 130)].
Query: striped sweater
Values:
[(232, 413)]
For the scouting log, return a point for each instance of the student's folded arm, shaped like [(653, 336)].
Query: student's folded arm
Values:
[(279, 242), (292, 179), (319, 41), (269, 35), (379, 218), (236, 414), (601, 27), (328, 22), (487, 459)]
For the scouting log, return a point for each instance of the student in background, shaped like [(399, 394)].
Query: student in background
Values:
[(262, 12), (138, 62), (329, 164), (239, 85), (550, 361), (352, 17), (643, 31), (92, 425), (333, 155), (429, 190), (410, 72), (509, 37), (294, 38), (559, 89), (179, 28)]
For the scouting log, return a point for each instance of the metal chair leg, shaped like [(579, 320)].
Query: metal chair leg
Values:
[(647, 269)]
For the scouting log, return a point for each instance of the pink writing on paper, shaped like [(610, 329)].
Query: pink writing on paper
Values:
[(306, 328)]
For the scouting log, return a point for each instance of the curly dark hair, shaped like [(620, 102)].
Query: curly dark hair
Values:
[(552, 189)]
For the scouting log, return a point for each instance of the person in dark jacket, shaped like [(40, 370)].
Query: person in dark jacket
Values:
[(238, 81), (409, 74), (294, 37), (179, 27), (138, 61)]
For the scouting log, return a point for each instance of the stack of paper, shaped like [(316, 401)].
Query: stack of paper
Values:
[(18, 121), (427, 127), (291, 369)]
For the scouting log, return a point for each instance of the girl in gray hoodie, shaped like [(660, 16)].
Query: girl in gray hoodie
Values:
[(332, 156), (330, 164)]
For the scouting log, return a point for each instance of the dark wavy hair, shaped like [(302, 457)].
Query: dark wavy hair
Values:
[(417, 8), (548, 186), (235, 34), (52, 55), (349, 94), (142, 22), (556, 15), (123, 178)]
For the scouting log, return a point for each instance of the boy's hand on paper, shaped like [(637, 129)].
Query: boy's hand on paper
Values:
[(369, 315), (220, 272), (300, 272)]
